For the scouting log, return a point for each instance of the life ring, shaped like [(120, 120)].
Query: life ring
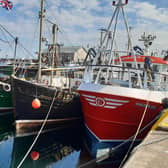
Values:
[(77, 83), (7, 87)]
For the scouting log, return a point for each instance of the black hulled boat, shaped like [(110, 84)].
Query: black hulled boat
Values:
[(60, 104), (65, 109)]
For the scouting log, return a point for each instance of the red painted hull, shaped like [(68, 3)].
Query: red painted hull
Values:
[(110, 117)]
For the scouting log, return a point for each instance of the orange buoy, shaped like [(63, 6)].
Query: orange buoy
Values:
[(34, 155), (36, 103)]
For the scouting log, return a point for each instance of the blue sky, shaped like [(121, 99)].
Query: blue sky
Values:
[(79, 22)]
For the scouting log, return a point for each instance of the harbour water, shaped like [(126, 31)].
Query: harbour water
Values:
[(55, 149), (61, 148)]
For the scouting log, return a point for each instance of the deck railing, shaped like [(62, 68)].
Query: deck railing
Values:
[(127, 77)]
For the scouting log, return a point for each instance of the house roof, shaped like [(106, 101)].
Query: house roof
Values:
[(67, 49)]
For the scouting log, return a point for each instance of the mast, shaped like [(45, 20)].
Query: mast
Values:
[(129, 47), (41, 16), (102, 31), (54, 31), (119, 6), (14, 63)]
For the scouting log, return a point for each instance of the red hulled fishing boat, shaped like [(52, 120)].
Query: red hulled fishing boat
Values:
[(121, 96)]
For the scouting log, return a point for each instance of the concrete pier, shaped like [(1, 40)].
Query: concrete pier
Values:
[(153, 151)]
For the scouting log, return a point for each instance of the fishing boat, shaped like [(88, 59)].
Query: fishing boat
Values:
[(6, 69), (121, 96), (53, 92), (6, 66), (9, 66), (6, 105)]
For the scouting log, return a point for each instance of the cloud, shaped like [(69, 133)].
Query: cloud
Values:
[(151, 19), (80, 21), (150, 11), (78, 14)]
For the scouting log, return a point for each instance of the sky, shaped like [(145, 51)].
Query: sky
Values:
[(79, 23)]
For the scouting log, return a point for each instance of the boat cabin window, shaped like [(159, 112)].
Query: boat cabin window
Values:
[(139, 65), (48, 73), (78, 75), (129, 65), (67, 74)]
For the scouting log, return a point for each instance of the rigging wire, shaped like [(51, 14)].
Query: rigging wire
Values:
[(4, 41), (64, 33), (37, 23), (7, 32), (7, 41), (48, 28), (10, 34)]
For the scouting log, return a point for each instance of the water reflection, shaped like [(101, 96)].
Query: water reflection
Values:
[(60, 148), (6, 139), (51, 147), (55, 149)]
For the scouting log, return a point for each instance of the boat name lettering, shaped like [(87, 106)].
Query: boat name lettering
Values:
[(144, 105), (100, 102), (104, 102)]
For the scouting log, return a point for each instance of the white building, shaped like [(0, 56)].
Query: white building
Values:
[(64, 55)]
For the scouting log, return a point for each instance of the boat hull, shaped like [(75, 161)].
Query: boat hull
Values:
[(6, 105), (66, 107), (100, 149), (112, 115), (6, 69)]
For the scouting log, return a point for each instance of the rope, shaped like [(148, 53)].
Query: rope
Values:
[(136, 134), (105, 156), (141, 130), (35, 140)]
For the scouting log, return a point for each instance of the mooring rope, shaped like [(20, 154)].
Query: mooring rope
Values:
[(136, 134), (39, 132), (107, 155)]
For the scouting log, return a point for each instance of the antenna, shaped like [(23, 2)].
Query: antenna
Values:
[(147, 39)]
